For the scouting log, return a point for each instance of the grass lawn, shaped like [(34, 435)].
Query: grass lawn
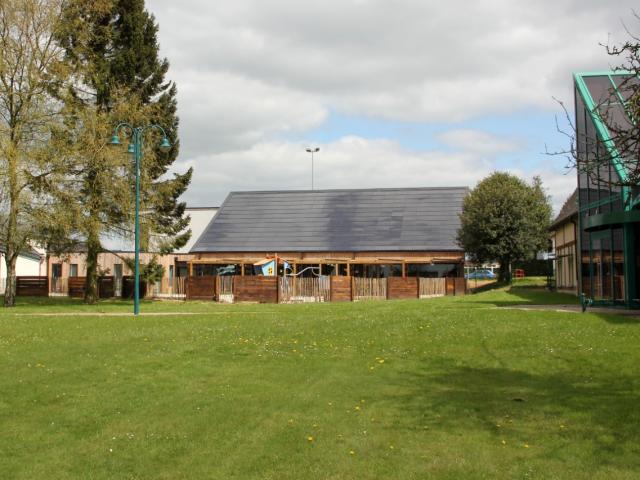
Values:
[(448, 388)]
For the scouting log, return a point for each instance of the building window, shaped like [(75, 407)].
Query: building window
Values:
[(73, 270), (203, 270), (432, 270), (56, 270), (334, 269), (372, 270)]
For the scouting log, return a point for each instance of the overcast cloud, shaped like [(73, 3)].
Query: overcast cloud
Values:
[(257, 79)]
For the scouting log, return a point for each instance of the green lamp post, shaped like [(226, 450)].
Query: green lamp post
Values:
[(135, 147)]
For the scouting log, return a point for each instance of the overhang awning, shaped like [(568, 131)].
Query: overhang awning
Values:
[(607, 220)]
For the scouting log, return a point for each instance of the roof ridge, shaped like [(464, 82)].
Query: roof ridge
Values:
[(374, 189)]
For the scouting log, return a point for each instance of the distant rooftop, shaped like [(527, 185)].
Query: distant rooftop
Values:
[(200, 218), (392, 219), (568, 210)]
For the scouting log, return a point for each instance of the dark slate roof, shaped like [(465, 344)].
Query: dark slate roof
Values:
[(568, 210), (392, 219)]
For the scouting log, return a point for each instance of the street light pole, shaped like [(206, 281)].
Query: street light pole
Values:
[(136, 134), (312, 151)]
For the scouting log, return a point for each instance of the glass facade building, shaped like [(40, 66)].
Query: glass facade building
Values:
[(608, 207)]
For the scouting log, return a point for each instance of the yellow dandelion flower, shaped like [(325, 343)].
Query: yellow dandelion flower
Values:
[(351, 452), (310, 438), (357, 407), (503, 442), (526, 445), (391, 447)]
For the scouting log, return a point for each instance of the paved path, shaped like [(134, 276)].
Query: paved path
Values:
[(129, 314), (577, 309)]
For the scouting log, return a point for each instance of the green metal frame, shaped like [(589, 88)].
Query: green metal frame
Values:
[(628, 217)]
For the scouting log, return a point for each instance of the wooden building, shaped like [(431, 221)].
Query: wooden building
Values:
[(72, 265), (368, 233), (563, 238)]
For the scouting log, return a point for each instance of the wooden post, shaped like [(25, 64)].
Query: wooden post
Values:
[(352, 287), (331, 288)]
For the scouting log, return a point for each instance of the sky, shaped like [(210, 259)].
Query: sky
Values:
[(402, 93)]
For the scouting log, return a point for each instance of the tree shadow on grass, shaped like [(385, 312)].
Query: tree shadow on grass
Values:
[(530, 296), (596, 409), (621, 318)]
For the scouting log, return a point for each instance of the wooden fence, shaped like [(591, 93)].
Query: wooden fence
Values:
[(432, 287), (402, 288), (76, 287), (255, 289), (32, 286), (340, 289), (261, 289), (369, 288), (201, 288), (128, 284), (303, 290)]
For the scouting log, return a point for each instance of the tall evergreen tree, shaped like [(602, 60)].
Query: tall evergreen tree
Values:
[(113, 47)]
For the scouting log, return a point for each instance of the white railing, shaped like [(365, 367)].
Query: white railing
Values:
[(369, 288), (432, 287), (58, 286), (175, 287), (303, 290), (225, 288)]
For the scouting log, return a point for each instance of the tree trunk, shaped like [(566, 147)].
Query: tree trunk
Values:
[(11, 238), (504, 273), (91, 280), (10, 291)]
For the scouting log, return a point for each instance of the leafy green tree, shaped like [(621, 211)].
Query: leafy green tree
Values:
[(32, 70), (112, 46), (504, 219), (150, 272)]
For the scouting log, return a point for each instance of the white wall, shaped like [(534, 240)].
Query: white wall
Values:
[(24, 266), (200, 218)]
